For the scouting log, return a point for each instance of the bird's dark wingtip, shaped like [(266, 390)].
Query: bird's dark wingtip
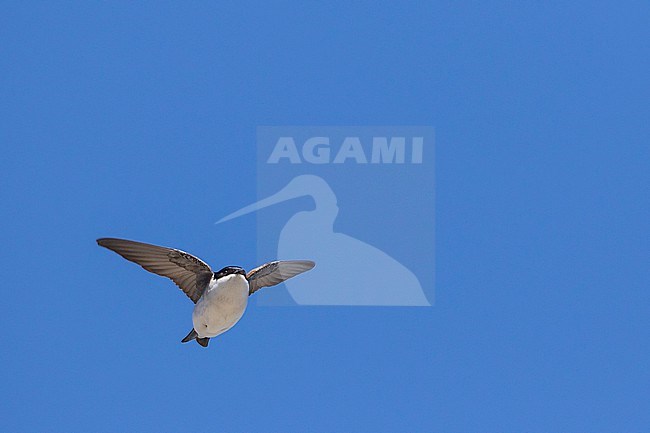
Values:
[(102, 242)]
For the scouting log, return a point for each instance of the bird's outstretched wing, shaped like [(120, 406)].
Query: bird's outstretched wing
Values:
[(272, 273), (189, 273)]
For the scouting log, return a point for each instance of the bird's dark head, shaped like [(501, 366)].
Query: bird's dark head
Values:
[(229, 270)]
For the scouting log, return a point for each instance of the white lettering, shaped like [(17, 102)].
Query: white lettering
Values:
[(416, 147), (385, 153), (351, 148), (322, 154), (284, 148), (317, 150)]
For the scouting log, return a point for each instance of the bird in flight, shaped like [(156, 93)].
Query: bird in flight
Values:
[(220, 298)]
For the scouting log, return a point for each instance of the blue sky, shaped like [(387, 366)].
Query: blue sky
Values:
[(139, 121)]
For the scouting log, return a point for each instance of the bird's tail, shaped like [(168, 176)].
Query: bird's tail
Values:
[(194, 336)]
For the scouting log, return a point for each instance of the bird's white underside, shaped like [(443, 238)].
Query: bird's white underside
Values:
[(222, 305)]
